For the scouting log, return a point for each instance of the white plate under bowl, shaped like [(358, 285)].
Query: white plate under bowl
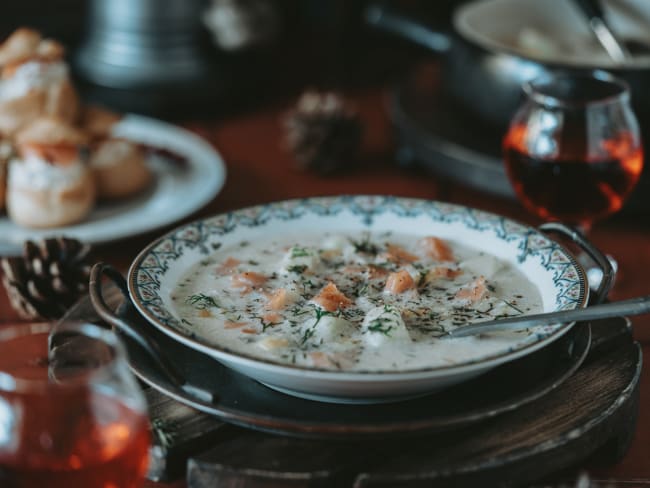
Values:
[(157, 269), (178, 191)]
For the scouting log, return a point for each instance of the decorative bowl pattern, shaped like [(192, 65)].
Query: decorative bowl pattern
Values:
[(156, 270)]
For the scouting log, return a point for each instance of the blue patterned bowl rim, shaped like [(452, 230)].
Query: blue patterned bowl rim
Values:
[(149, 267)]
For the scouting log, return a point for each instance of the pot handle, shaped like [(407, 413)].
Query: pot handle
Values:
[(401, 25), (608, 272), (134, 331)]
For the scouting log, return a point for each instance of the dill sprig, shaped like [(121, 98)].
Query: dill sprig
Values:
[(422, 278), (310, 331), (365, 246), (512, 306), (299, 252), (379, 325), (297, 268), (296, 311), (201, 301), (266, 325)]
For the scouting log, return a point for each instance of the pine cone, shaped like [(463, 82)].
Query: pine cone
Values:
[(48, 279), (323, 132)]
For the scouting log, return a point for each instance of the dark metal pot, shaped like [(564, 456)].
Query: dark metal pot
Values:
[(140, 43), (486, 76)]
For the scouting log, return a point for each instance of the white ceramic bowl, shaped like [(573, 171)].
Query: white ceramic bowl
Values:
[(157, 269)]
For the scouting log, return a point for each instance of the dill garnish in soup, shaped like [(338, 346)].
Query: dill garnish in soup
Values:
[(358, 302)]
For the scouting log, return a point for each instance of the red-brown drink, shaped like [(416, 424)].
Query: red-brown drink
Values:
[(66, 435), (570, 184)]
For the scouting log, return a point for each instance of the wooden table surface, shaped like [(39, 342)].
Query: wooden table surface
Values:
[(261, 170)]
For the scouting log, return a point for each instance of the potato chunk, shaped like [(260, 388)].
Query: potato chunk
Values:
[(383, 325), (300, 260), (332, 329)]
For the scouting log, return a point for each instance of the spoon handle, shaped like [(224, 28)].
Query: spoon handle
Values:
[(634, 306), (596, 16), (135, 333)]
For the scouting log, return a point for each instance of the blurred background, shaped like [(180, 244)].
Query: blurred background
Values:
[(208, 59), (169, 57)]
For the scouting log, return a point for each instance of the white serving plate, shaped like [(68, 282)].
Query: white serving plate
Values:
[(176, 193), (155, 272)]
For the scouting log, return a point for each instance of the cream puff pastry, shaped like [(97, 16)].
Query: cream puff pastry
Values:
[(98, 122), (120, 169), (49, 183), (20, 45), (34, 82), (119, 165)]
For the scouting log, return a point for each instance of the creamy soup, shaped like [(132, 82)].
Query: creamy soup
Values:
[(363, 302)]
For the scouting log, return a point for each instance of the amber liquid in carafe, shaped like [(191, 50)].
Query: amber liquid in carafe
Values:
[(74, 437), (572, 186)]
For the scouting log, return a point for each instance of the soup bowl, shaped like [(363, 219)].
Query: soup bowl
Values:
[(555, 273)]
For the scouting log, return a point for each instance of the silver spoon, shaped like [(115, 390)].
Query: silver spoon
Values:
[(620, 50), (616, 49), (634, 306)]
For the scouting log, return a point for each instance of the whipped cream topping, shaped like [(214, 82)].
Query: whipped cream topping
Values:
[(34, 173), (32, 75)]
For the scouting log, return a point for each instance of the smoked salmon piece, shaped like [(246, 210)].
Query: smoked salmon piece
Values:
[(376, 272), (272, 317), (442, 272), (228, 266), (248, 280), (399, 255), (233, 325), (331, 299), (437, 249), (320, 359), (272, 343), (399, 282), (473, 292), (279, 299)]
